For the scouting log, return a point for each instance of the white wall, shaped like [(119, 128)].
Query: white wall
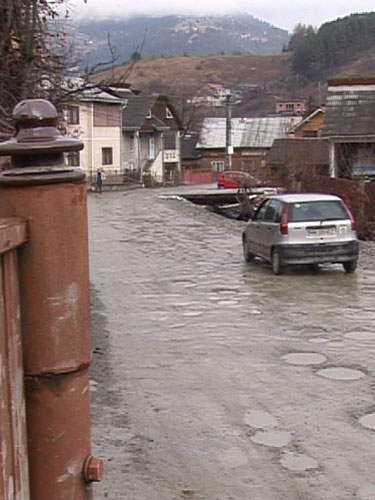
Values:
[(94, 139)]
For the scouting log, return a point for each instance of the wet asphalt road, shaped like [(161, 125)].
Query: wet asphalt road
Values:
[(213, 379)]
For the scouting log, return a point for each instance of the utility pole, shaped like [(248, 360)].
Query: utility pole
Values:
[(228, 131)]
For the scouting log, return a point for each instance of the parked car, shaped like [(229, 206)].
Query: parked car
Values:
[(302, 229), (233, 179)]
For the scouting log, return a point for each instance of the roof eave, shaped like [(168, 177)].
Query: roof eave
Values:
[(349, 138)]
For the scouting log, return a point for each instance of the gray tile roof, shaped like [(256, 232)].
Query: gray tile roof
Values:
[(188, 149), (350, 111), (299, 150), (136, 111), (246, 132)]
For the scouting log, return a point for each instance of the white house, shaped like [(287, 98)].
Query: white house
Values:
[(151, 139), (95, 118)]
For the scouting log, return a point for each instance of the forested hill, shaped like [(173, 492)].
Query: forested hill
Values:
[(167, 36), (316, 54)]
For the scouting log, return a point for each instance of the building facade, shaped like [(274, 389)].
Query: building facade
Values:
[(95, 118)]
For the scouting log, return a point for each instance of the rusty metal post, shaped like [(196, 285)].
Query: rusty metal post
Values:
[(55, 302)]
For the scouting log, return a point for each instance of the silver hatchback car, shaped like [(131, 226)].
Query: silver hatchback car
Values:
[(302, 229)]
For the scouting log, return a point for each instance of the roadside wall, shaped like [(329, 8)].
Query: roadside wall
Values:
[(198, 176)]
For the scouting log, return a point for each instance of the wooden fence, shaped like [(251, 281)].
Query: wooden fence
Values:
[(14, 479)]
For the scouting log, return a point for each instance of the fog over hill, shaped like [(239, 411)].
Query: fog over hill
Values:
[(176, 35)]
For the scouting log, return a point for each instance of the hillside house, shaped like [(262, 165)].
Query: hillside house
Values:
[(349, 126), (311, 126), (95, 118), (213, 95), (151, 132), (251, 139), (295, 107)]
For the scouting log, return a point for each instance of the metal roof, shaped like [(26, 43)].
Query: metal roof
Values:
[(246, 132), (350, 111)]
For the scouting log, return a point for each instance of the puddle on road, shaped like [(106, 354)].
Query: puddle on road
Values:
[(260, 419), (366, 493), (228, 303), (158, 316), (336, 344), (276, 439), (183, 304), (304, 358), (234, 457), (298, 463), (360, 336), (255, 311), (226, 291), (319, 340), (340, 373), (182, 281), (368, 421), (186, 283), (192, 313)]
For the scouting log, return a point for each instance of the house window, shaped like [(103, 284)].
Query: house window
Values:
[(73, 159), (107, 115), (310, 133), (290, 107), (131, 143), (217, 166), (72, 115), (107, 157), (168, 113)]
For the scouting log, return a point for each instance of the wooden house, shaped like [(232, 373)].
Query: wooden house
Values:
[(349, 126)]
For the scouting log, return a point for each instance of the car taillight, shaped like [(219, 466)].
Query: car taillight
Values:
[(352, 220), (284, 221)]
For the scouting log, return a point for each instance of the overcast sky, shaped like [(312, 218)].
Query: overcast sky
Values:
[(282, 13)]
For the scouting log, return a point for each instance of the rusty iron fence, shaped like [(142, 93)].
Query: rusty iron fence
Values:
[(14, 478), (116, 178)]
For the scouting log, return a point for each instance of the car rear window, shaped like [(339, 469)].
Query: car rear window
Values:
[(317, 211)]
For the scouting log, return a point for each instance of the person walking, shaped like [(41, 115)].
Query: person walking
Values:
[(99, 181)]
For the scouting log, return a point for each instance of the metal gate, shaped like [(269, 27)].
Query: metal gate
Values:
[(14, 479)]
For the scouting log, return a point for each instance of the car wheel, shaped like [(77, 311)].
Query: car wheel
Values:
[(350, 266), (277, 266), (248, 256)]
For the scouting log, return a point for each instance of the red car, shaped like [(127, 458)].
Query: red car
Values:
[(233, 179)]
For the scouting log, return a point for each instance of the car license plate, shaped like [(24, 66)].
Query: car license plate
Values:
[(321, 231)]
